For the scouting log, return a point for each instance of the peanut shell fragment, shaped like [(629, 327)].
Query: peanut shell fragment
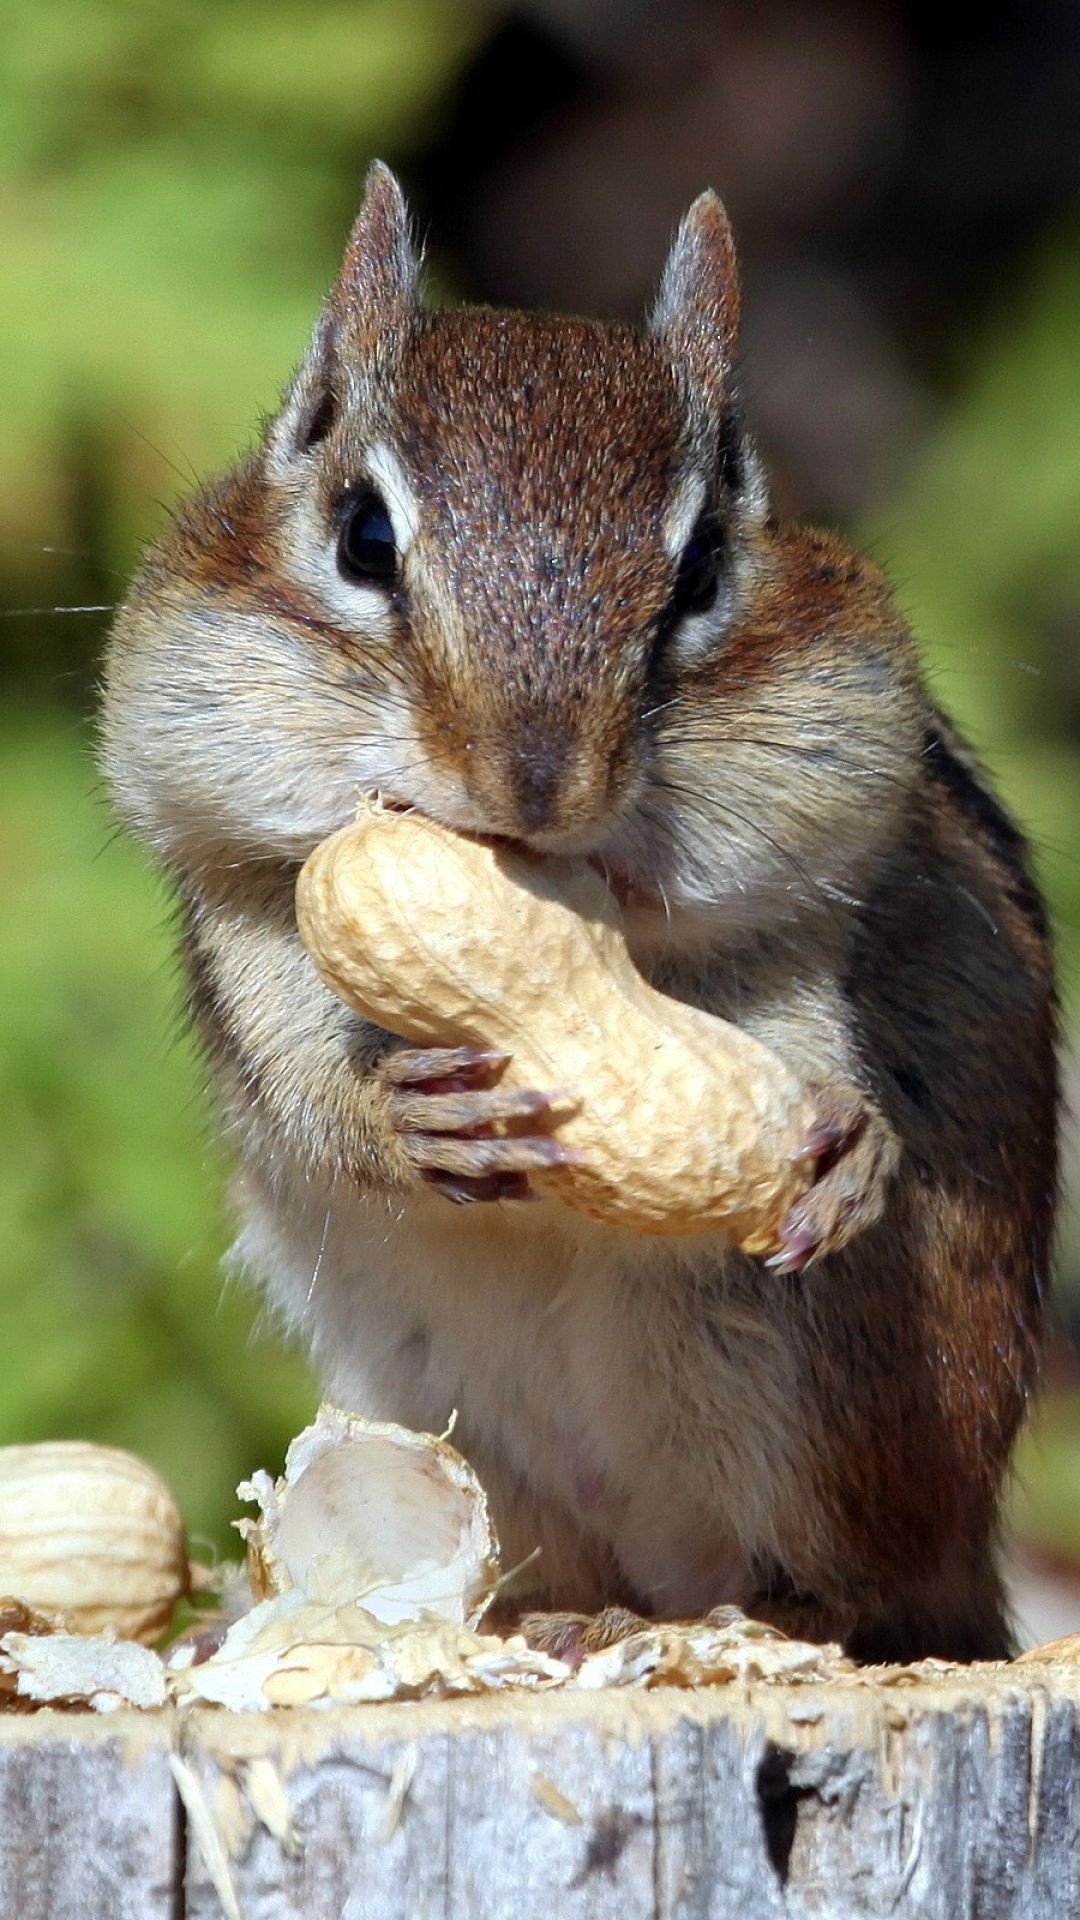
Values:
[(371, 1514)]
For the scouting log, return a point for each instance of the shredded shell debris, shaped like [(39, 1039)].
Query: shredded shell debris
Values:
[(374, 1560), (70, 1669)]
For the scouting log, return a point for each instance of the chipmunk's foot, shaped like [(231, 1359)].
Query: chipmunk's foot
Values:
[(570, 1636)]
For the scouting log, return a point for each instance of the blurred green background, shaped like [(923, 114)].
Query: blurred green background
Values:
[(175, 182)]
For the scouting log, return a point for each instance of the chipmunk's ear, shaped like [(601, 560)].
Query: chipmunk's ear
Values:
[(373, 296), (697, 308), (377, 287)]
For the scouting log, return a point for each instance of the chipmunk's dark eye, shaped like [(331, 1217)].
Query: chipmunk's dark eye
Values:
[(366, 549), (698, 578)]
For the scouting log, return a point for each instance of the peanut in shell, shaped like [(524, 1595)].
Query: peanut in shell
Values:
[(685, 1124)]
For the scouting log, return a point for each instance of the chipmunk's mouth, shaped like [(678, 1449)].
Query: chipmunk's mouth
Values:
[(392, 803), (631, 893)]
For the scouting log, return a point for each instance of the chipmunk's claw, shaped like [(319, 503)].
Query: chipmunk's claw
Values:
[(799, 1246), (493, 1186), (429, 1066), (855, 1153), (463, 1135)]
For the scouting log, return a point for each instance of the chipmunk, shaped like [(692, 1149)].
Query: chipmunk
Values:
[(521, 572)]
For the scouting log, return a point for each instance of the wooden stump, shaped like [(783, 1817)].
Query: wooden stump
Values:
[(950, 1798)]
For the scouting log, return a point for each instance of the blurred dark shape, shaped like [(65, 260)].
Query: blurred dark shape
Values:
[(884, 167)]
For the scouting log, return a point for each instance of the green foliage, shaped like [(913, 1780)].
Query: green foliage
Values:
[(1045, 1506), (984, 547), (117, 1322), (174, 183)]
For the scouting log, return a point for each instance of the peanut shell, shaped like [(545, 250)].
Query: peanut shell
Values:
[(686, 1123), (91, 1536)]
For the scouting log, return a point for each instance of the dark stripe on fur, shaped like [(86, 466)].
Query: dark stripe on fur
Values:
[(961, 780)]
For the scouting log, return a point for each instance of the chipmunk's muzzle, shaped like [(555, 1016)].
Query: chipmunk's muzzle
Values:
[(535, 722), (539, 783)]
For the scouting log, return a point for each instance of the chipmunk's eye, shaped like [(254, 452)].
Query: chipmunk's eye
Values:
[(366, 548), (698, 578)]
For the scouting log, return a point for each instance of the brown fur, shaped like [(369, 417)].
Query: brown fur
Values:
[(803, 847)]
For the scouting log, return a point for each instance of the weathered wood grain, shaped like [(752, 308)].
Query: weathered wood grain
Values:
[(88, 1817), (841, 1802), (938, 1801)]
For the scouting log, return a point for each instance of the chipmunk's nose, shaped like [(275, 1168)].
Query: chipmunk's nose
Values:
[(539, 783), (537, 769)]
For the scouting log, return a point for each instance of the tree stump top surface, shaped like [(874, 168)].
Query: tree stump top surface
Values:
[(951, 1794)]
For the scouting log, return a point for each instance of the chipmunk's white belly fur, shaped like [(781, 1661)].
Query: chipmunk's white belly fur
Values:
[(571, 1353)]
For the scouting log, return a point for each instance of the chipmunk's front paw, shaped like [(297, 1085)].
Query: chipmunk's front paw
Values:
[(855, 1153), (465, 1135)]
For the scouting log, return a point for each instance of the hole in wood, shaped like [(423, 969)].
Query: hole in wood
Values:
[(779, 1798)]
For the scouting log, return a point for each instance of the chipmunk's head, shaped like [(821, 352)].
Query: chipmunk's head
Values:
[(493, 565), (517, 522)]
